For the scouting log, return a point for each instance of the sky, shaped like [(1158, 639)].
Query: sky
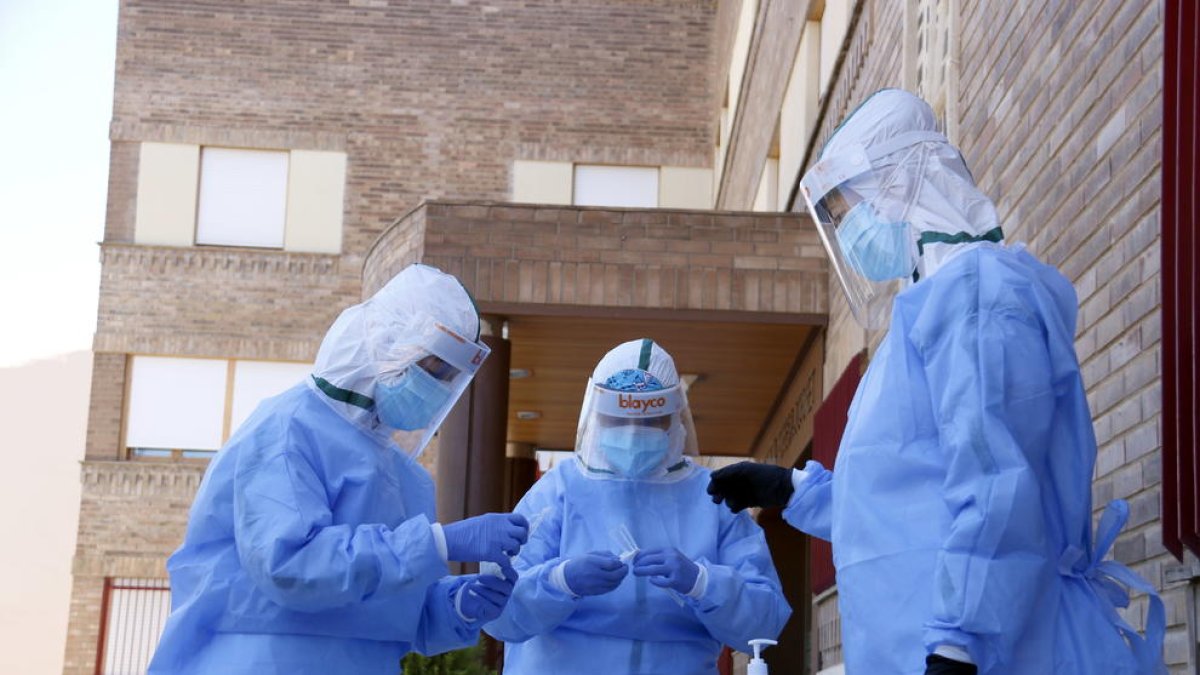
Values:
[(56, 82)]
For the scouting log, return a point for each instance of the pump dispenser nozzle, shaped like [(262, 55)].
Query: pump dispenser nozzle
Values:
[(757, 666)]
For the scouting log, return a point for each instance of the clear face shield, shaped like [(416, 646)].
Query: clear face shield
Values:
[(860, 202), (639, 435), (421, 376)]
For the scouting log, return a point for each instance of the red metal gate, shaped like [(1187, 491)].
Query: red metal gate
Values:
[(132, 615)]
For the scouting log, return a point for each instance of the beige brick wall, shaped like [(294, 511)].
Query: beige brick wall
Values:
[(83, 625), (432, 99), (1060, 120), (217, 301), (105, 406), (132, 516), (122, 192), (695, 260)]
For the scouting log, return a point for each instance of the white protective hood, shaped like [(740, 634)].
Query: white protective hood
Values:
[(606, 403), (946, 208), (395, 321)]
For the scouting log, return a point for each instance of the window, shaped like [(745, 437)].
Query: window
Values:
[(188, 195), (628, 186), (134, 612), (176, 403), (187, 408), (243, 197), (254, 381), (555, 182)]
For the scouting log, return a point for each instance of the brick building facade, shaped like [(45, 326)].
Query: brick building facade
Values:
[(434, 110)]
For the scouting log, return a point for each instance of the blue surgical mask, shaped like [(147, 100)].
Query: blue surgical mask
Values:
[(410, 401), (876, 249), (634, 451)]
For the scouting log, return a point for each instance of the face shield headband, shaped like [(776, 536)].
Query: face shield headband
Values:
[(639, 435), (421, 380), (637, 404)]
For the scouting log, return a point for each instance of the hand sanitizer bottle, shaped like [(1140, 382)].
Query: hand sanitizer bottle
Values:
[(757, 666)]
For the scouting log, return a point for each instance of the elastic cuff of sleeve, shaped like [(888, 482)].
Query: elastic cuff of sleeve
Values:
[(798, 478), (701, 584), (439, 540), (953, 652), (458, 604), (558, 579)]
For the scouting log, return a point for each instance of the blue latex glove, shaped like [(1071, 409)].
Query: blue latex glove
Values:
[(494, 537), (668, 568), (594, 573), (483, 598)]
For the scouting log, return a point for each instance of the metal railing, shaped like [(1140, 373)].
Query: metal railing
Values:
[(133, 613)]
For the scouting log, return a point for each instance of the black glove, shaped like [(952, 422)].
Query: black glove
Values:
[(751, 484), (940, 665)]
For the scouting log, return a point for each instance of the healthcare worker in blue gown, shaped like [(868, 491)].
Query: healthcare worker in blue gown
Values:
[(959, 506), (629, 567), (312, 545)]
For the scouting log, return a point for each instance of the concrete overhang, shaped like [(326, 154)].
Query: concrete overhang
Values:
[(734, 297)]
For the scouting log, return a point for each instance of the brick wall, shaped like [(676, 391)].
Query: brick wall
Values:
[(613, 257), (83, 625), (1059, 119), (433, 99), (122, 192), (132, 516), (217, 301), (105, 406)]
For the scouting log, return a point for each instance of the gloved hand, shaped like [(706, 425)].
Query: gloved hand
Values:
[(751, 484), (940, 665), (668, 568), (483, 598), (493, 536), (594, 573)]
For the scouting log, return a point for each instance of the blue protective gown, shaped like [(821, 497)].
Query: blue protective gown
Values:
[(960, 504), (638, 628), (308, 550)]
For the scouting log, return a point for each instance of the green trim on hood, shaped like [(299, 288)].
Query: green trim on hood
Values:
[(644, 357), (995, 235), (344, 395)]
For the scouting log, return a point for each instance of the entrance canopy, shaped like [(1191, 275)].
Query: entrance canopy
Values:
[(734, 297)]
